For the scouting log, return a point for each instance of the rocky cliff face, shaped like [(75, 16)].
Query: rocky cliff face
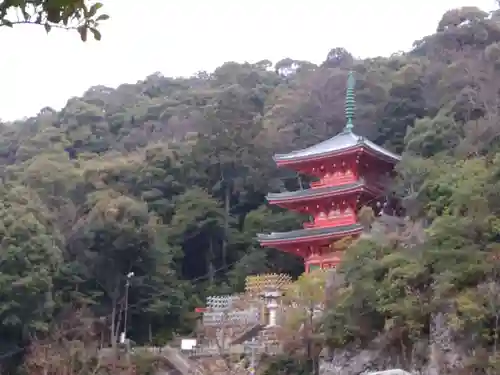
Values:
[(354, 361), (445, 355), (438, 355)]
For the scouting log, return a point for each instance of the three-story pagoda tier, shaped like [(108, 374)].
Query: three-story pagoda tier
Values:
[(352, 172)]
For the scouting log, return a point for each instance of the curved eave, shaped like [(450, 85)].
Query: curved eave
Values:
[(308, 235), (319, 193), (377, 151)]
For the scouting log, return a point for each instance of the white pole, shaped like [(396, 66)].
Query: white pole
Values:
[(272, 306)]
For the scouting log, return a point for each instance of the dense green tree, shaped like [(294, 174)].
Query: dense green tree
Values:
[(167, 178), (32, 254)]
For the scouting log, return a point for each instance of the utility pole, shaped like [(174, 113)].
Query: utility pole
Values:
[(123, 335), (251, 346)]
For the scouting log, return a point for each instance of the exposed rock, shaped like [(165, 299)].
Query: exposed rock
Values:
[(390, 372), (445, 356), (439, 355), (356, 361)]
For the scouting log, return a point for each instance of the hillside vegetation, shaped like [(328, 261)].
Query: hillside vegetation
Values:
[(166, 178)]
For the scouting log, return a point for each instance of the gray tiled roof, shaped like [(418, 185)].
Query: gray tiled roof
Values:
[(313, 192), (341, 142), (305, 233)]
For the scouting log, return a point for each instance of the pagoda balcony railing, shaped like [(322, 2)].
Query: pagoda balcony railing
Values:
[(348, 219), (349, 178), (335, 180)]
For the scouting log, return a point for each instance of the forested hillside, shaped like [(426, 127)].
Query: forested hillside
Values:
[(166, 178)]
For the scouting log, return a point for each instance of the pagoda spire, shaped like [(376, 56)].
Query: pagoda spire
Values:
[(350, 102)]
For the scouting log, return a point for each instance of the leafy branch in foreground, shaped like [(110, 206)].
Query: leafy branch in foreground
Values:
[(77, 15)]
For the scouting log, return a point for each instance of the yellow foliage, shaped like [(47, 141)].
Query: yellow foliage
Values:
[(309, 288), (303, 296)]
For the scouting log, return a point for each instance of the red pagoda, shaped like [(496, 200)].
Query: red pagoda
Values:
[(351, 173)]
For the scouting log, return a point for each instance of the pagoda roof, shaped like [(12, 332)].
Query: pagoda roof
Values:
[(343, 142), (304, 235), (313, 193)]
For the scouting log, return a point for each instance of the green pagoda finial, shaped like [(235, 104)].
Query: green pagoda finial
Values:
[(350, 102)]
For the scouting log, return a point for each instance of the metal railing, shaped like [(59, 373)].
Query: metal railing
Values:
[(174, 356)]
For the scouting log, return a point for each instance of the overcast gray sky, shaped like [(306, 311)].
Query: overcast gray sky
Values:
[(180, 37)]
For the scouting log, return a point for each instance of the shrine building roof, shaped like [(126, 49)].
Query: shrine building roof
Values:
[(305, 235), (314, 193), (344, 142)]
